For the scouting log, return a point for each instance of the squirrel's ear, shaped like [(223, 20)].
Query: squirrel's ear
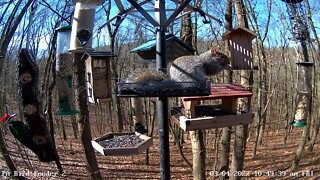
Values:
[(213, 48), (213, 51)]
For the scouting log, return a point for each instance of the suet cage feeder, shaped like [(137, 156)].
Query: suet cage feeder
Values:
[(82, 25), (64, 75)]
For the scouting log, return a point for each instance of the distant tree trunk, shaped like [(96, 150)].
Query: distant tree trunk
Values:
[(241, 131), (197, 136), (74, 126), (186, 30), (83, 118), (114, 64), (226, 132), (316, 81)]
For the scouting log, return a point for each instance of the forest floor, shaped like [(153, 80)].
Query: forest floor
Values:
[(272, 157)]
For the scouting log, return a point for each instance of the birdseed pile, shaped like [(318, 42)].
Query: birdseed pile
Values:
[(117, 141)]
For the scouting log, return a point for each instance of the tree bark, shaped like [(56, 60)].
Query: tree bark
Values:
[(241, 132), (198, 155), (83, 118), (226, 132)]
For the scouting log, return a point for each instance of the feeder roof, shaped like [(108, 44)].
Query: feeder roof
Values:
[(101, 54), (239, 31), (152, 44)]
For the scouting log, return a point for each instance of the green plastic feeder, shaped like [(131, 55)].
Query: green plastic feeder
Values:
[(65, 109), (299, 124)]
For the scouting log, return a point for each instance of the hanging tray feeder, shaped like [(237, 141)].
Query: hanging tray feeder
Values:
[(122, 144)]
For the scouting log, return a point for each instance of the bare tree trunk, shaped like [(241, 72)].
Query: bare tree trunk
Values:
[(241, 131), (114, 64), (198, 155), (226, 132), (74, 126), (316, 79), (197, 136), (83, 119)]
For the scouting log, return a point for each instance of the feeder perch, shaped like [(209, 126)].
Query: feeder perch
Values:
[(82, 25), (214, 116), (174, 48), (122, 144), (64, 72), (240, 46), (163, 89), (98, 76)]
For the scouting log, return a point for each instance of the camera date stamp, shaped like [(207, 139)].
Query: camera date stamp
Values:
[(279, 173)]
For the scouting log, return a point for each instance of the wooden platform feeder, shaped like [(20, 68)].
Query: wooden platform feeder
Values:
[(240, 46), (123, 149), (215, 116), (98, 76)]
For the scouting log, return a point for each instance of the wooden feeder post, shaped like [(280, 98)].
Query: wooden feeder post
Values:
[(240, 46), (64, 79), (98, 76)]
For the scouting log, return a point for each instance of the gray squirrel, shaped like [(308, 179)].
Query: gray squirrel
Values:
[(183, 69), (198, 68)]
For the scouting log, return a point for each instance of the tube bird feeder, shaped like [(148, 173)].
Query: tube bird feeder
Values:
[(304, 93), (64, 76), (82, 25)]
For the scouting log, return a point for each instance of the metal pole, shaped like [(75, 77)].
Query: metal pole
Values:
[(162, 102)]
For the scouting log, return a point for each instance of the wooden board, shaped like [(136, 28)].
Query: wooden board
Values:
[(213, 122), (221, 91), (122, 151)]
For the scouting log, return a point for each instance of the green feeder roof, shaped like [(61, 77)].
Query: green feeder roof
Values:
[(63, 28), (174, 46)]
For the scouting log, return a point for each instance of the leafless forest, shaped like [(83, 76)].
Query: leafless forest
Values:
[(268, 148)]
